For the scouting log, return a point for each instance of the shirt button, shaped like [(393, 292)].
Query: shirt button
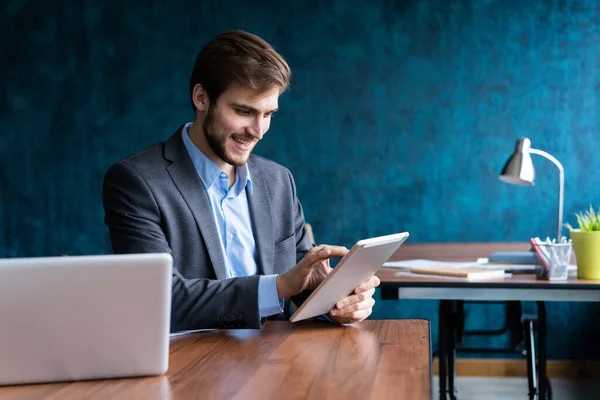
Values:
[(223, 175)]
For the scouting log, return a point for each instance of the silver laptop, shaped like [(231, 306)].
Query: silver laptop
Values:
[(84, 317)]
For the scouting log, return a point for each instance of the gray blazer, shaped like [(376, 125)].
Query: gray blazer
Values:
[(154, 202)]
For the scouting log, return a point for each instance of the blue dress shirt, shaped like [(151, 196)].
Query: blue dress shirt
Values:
[(232, 217)]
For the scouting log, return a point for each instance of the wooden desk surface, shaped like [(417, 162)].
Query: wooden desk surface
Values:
[(375, 359), (470, 252), (453, 251), (395, 276)]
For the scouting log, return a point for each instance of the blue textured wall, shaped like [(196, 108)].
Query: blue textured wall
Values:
[(400, 116)]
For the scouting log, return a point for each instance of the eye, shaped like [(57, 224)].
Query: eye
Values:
[(243, 112), (269, 115)]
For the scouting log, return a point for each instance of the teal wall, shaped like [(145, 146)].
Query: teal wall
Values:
[(399, 117)]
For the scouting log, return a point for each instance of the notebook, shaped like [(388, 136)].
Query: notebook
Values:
[(510, 257), (469, 273)]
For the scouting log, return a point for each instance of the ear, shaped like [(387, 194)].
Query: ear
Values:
[(200, 98)]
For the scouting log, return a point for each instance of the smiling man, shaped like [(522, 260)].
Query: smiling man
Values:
[(231, 220)]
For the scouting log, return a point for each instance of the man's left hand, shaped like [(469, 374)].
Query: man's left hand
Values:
[(358, 306)]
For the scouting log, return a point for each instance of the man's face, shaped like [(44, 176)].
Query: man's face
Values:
[(238, 121)]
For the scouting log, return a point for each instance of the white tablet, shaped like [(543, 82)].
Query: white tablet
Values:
[(362, 262)]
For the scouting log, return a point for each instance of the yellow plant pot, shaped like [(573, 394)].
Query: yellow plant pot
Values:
[(587, 252)]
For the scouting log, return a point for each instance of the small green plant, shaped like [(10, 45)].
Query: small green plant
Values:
[(588, 222)]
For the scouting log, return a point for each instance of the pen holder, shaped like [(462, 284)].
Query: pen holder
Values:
[(554, 260)]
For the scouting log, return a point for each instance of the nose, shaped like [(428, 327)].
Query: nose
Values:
[(259, 127)]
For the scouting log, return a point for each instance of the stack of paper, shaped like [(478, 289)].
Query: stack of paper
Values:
[(468, 273), (481, 263), (466, 270)]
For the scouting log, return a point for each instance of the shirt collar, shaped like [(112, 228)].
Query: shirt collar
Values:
[(208, 170)]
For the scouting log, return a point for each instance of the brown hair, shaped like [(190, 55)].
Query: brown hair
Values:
[(238, 57)]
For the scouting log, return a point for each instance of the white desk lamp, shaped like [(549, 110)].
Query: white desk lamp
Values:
[(519, 170)]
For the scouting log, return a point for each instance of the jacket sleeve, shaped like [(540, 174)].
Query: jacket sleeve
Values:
[(134, 223)]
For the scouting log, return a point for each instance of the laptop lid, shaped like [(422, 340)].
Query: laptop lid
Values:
[(84, 317)]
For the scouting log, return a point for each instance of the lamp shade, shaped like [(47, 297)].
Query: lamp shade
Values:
[(519, 170)]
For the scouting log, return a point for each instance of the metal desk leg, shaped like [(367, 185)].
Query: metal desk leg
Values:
[(542, 378), (529, 334), (442, 339), (451, 348)]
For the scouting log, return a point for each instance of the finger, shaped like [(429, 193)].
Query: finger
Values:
[(315, 249), (369, 284), (337, 251), (355, 298), (324, 253), (317, 254), (355, 317), (354, 307)]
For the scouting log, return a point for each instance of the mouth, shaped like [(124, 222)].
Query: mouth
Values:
[(243, 144)]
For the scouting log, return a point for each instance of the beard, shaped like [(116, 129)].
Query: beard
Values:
[(218, 143)]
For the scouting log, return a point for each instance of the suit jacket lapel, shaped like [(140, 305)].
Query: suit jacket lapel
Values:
[(262, 219), (190, 186)]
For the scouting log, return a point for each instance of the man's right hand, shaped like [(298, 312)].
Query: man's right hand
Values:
[(309, 272)]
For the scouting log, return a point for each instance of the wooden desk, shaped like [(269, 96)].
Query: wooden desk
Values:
[(398, 285), (524, 287), (375, 359), (453, 251)]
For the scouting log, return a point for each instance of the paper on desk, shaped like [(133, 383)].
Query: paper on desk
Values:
[(514, 267), (480, 263), (181, 333), (455, 278), (429, 263)]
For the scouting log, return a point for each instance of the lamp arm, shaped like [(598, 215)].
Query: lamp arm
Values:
[(561, 186)]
